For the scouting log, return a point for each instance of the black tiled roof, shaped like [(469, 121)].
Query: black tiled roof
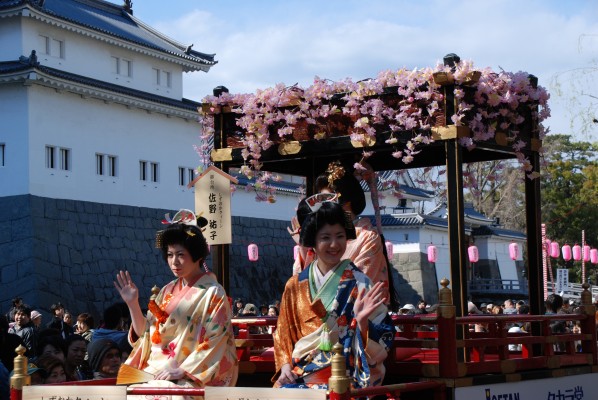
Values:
[(113, 20), (497, 231), (16, 66), (281, 186)]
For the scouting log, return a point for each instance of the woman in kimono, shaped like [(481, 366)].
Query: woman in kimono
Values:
[(330, 301), (366, 250), (187, 336)]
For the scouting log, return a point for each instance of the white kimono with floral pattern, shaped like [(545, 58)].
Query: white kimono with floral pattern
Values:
[(197, 336)]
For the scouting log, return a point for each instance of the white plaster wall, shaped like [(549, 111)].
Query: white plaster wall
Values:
[(13, 133), (497, 248), (87, 127), (92, 58), (11, 43)]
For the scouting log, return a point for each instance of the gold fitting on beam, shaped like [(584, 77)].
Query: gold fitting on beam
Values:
[(450, 132), (287, 148), (501, 138), (472, 78), (443, 78), (366, 141), (218, 155)]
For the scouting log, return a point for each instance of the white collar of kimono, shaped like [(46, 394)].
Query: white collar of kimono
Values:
[(319, 278)]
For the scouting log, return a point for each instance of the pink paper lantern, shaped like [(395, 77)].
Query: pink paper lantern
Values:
[(555, 250), (586, 253), (514, 251), (389, 249), (577, 252), (296, 252), (594, 256), (566, 252), (252, 252), (473, 253), (432, 253)]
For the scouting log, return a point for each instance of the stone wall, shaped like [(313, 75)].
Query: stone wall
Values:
[(415, 278), (64, 250)]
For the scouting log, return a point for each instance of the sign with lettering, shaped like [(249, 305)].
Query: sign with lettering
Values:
[(562, 279), (246, 393), (52, 392), (212, 201), (573, 387)]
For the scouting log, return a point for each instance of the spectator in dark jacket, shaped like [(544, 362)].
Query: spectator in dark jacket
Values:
[(57, 322), (8, 343)]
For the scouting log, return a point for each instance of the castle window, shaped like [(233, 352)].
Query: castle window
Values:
[(51, 46), (162, 78), (106, 165), (2, 148), (186, 175), (50, 157), (65, 159), (143, 170), (149, 171), (122, 66), (154, 171)]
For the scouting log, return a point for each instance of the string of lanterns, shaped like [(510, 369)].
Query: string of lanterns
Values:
[(577, 252)]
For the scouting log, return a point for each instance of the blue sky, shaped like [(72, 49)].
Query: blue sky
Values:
[(261, 43)]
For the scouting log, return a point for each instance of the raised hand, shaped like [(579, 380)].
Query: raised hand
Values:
[(126, 287), (366, 303)]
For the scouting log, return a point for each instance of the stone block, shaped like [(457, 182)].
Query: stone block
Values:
[(64, 255), (5, 232), (9, 274), (76, 257), (52, 254), (65, 239), (21, 228), (50, 211)]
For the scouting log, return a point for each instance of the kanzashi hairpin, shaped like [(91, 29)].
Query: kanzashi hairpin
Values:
[(315, 202)]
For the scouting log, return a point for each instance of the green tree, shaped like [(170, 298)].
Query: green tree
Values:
[(570, 192)]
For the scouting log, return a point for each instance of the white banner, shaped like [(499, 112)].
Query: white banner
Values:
[(212, 201), (246, 393), (51, 392), (575, 387), (562, 280)]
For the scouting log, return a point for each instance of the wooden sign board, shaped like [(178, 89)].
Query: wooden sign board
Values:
[(212, 201), (51, 392), (248, 393)]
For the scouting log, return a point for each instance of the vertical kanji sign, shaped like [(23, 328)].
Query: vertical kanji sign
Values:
[(212, 201)]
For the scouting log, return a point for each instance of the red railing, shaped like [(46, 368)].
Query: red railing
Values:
[(428, 347)]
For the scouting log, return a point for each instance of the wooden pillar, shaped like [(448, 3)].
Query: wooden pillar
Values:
[(448, 366), (533, 219)]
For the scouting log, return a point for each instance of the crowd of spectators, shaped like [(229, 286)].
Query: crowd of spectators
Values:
[(66, 348)]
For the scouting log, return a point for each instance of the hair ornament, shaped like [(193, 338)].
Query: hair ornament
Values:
[(184, 216), (315, 201), (335, 171)]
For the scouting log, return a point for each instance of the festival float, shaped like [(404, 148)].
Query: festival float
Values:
[(448, 115)]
